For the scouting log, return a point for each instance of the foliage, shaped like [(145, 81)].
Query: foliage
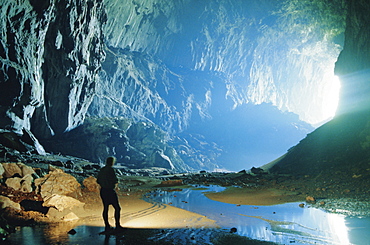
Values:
[(326, 17)]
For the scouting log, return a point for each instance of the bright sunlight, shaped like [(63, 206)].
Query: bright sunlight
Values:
[(331, 98)]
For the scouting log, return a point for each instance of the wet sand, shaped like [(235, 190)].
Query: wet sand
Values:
[(258, 197), (137, 213)]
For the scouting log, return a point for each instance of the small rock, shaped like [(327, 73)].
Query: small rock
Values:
[(69, 164), (72, 232), (6, 202), (26, 169), (2, 171), (233, 230), (70, 217), (257, 170), (310, 199), (322, 203), (301, 205), (26, 183), (11, 169), (14, 183)]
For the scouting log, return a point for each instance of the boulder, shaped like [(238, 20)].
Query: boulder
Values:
[(70, 217), (14, 183), (6, 202), (63, 207), (11, 169), (57, 182), (2, 171), (26, 183), (91, 184), (60, 203), (26, 169)]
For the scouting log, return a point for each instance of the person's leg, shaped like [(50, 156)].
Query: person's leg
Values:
[(105, 201), (117, 210), (105, 216)]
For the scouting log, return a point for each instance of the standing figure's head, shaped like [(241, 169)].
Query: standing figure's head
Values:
[(110, 161)]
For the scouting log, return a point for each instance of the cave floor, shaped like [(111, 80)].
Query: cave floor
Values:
[(163, 221)]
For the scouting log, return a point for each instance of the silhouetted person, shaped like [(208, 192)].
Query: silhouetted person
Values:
[(107, 180)]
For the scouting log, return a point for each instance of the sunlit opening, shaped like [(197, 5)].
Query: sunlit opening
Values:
[(331, 96)]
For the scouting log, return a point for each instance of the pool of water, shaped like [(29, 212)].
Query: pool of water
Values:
[(285, 223)]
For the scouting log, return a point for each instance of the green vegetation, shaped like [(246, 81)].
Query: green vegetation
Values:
[(325, 18)]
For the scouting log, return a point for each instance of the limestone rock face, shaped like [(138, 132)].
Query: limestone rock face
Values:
[(175, 64), (57, 182), (51, 53)]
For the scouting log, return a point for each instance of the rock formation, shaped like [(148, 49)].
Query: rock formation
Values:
[(341, 146), (50, 54), (170, 70)]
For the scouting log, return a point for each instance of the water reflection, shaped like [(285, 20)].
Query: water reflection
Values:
[(285, 223)]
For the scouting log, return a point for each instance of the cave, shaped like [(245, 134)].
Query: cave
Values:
[(258, 90)]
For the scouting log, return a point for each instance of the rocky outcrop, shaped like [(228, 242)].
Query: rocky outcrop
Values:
[(50, 56), (354, 61), (136, 145)]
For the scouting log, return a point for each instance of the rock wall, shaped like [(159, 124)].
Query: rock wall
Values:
[(50, 54), (175, 64), (161, 48), (353, 65)]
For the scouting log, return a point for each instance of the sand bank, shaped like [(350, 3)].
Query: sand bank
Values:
[(247, 196), (137, 213)]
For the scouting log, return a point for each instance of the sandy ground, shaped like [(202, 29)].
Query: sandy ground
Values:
[(244, 196), (137, 213)]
